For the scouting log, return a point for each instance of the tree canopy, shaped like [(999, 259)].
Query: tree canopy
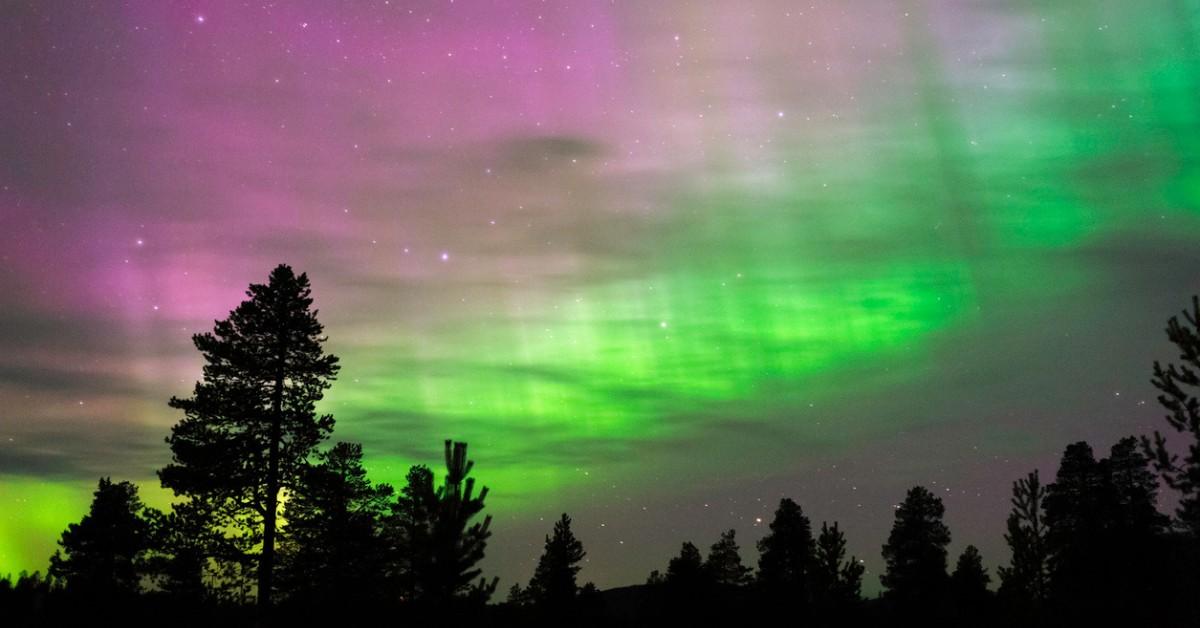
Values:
[(251, 423)]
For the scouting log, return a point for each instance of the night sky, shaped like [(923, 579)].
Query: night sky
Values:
[(659, 263)]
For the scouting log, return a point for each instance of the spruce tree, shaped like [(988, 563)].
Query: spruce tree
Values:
[(183, 544), (410, 534), (970, 579), (553, 584), (1025, 579), (100, 556), (835, 580), (434, 537), (724, 563), (787, 553), (915, 552), (333, 550), (1075, 525), (1105, 536), (686, 571), (1180, 388), (251, 422)]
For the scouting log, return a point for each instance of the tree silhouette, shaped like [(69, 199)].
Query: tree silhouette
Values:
[(835, 581), (24, 599), (915, 552), (250, 424), (1025, 579), (970, 581), (724, 563), (1104, 531), (518, 596), (333, 550), (1074, 523), (686, 571), (100, 555), (410, 532), (1133, 490), (433, 535), (787, 553), (183, 542), (553, 584), (1180, 387)]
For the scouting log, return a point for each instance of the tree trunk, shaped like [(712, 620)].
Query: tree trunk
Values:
[(266, 565)]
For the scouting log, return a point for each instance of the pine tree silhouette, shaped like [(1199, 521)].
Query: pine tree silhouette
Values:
[(686, 571), (915, 552), (787, 554), (183, 544), (434, 538), (100, 556), (724, 563), (1024, 581), (1180, 387), (1074, 522), (1105, 535), (250, 424), (410, 534), (970, 581), (334, 551), (836, 582), (553, 585)]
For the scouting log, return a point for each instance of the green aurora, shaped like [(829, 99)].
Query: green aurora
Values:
[(874, 236)]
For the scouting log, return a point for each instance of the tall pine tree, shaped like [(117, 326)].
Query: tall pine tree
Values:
[(436, 542), (836, 581), (1180, 387), (334, 550), (787, 553), (553, 584), (101, 554), (251, 423), (1075, 523), (724, 563), (686, 571), (916, 551), (970, 581), (1024, 580)]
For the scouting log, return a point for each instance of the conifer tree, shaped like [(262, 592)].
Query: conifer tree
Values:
[(334, 548), (724, 563), (517, 596), (251, 423), (970, 579), (1180, 388), (1104, 532), (1134, 491), (835, 580), (787, 552), (100, 556), (1025, 579), (553, 584), (1074, 524), (409, 532), (686, 571), (434, 537), (915, 552), (183, 542)]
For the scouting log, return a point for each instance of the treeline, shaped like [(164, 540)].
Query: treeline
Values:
[(270, 528)]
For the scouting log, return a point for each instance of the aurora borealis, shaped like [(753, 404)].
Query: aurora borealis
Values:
[(660, 263)]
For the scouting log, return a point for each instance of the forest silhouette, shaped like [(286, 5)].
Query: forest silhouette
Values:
[(1090, 547)]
